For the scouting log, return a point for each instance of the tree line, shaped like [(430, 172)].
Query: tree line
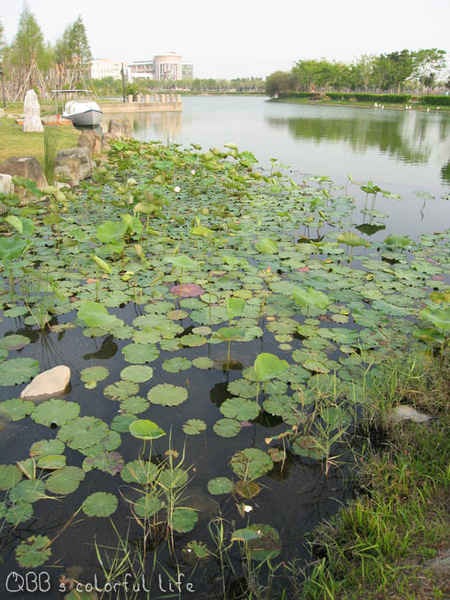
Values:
[(412, 71), (29, 61)]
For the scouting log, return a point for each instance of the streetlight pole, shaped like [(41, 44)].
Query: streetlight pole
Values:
[(3, 85), (123, 83)]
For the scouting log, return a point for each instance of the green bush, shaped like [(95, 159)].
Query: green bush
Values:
[(436, 100)]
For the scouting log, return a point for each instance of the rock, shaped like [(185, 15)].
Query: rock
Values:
[(47, 384), (27, 167), (91, 140), (441, 564), (32, 110), (107, 138), (119, 129), (6, 184), (74, 164), (407, 413)]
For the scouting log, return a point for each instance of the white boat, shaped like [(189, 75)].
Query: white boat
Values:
[(83, 114)]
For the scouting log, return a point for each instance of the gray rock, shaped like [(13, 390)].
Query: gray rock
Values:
[(27, 167), (6, 184), (120, 129), (407, 413), (73, 164), (47, 384), (91, 140), (32, 110)]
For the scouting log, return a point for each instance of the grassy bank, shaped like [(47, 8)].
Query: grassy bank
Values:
[(14, 142), (390, 541), (361, 104)]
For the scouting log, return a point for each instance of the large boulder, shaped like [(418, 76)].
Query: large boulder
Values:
[(73, 164), (48, 384), (32, 111), (119, 129), (27, 167), (92, 140)]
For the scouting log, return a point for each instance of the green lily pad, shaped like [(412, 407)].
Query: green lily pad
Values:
[(137, 373), (55, 412), (193, 341), (167, 394), (173, 478), (96, 373), (134, 406), (33, 552), (268, 544), (121, 423), (220, 485), (227, 427), (144, 429), (14, 342), (147, 506), (109, 462), (251, 463), (183, 519), (65, 481), (203, 362), (177, 364), (46, 448), (18, 370), (240, 409), (100, 504), (139, 354), (315, 366), (267, 246), (121, 390), (27, 492), (306, 445), (268, 366), (18, 513), (52, 462), (16, 409), (83, 432), (139, 471), (10, 475), (194, 426)]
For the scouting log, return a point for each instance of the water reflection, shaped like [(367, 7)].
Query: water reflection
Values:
[(411, 137)]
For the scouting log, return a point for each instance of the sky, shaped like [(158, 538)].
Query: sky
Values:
[(242, 38)]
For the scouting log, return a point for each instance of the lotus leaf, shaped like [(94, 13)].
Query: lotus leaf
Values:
[(310, 298), (14, 342), (439, 317), (109, 462), (194, 426), (267, 546), (18, 513), (240, 409), (46, 448), (134, 405), (51, 462), (267, 246), (227, 427), (139, 472), (10, 475), (268, 366), (220, 485), (121, 390), (83, 432), (167, 394), (183, 520), (140, 353), (203, 362), (27, 492), (55, 412), (177, 364), (147, 506), (251, 463), (137, 373), (100, 504), (33, 552), (144, 429), (18, 370), (16, 409), (111, 232), (352, 239), (96, 315), (64, 481), (96, 373)]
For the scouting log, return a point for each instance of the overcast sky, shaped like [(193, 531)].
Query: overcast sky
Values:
[(242, 38)]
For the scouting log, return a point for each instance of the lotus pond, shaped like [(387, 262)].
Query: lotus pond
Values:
[(224, 326)]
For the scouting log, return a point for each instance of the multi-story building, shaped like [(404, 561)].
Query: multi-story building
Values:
[(102, 68), (141, 69), (163, 67), (187, 71)]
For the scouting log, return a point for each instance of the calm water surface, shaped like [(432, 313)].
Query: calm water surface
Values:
[(405, 152)]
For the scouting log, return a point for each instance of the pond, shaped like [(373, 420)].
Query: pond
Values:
[(235, 315), (406, 152)]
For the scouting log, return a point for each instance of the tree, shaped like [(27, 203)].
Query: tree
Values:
[(79, 45), (363, 70), (2, 41), (427, 64), (278, 83), (28, 45)]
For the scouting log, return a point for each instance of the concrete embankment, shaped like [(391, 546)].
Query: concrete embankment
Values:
[(147, 103)]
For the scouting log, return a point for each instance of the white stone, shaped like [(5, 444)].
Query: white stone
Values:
[(6, 184), (47, 384), (408, 413), (32, 111)]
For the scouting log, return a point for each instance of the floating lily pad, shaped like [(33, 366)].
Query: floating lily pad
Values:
[(14, 342), (268, 366), (142, 472), (121, 390), (240, 409), (27, 492), (121, 423), (18, 370), (177, 364), (183, 519), (246, 489), (227, 427), (137, 373), (10, 475), (16, 409), (147, 506), (109, 462), (220, 485), (203, 362), (173, 478), (251, 463), (33, 552), (194, 426), (18, 513), (167, 394), (134, 405), (96, 373), (139, 354), (83, 432), (306, 445), (64, 481), (144, 429), (52, 462), (55, 412), (46, 448), (193, 341), (100, 504)]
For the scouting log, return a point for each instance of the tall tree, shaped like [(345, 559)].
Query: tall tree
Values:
[(79, 45), (28, 45), (427, 64)]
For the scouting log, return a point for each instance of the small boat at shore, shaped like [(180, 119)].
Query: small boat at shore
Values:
[(83, 114)]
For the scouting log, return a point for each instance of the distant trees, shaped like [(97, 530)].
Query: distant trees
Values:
[(391, 72)]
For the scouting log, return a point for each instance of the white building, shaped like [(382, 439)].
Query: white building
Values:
[(103, 67), (163, 67)]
